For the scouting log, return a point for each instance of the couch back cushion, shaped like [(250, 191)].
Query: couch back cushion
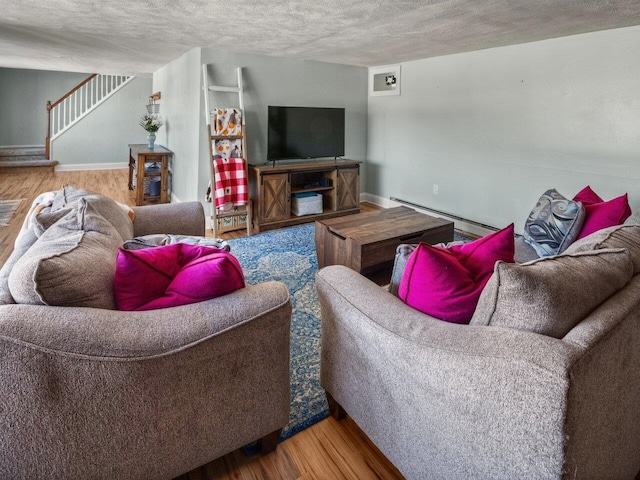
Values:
[(172, 275), (446, 282), (119, 215), (552, 295), (621, 236), (71, 264)]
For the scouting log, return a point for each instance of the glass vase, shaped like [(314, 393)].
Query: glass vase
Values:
[(151, 140)]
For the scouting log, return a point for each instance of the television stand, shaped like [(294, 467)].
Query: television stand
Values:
[(272, 186)]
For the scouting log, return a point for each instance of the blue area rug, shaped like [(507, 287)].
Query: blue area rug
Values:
[(289, 256)]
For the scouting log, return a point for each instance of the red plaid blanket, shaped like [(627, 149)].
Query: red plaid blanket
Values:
[(231, 188)]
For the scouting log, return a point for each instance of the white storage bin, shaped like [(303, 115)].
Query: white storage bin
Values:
[(306, 205)]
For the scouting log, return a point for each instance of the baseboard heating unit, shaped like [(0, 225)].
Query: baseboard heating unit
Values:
[(445, 214)]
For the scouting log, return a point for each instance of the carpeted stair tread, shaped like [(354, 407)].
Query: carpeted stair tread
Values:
[(27, 162), (20, 151), (24, 157)]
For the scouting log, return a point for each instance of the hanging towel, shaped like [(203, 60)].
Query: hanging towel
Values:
[(227, 121), (231, 187)]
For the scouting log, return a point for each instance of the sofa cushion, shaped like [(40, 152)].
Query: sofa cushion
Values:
[(552, 295), (600, 214), (446, 282), (71, 264), (553, 224), (621, 236), (120, 215), (172, 275)]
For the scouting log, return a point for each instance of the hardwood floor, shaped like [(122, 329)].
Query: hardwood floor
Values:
[(330, 449)]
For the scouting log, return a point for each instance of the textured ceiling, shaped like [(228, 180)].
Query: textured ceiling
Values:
[(140, 36)]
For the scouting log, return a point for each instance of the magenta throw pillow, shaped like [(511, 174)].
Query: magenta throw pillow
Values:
[(587, 196), (446, 282), (172, 275), (600, 214)]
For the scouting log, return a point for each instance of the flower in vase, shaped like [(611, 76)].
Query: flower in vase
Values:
[(151, 123)]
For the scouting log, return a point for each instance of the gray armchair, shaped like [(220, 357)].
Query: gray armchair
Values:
[(451, 401), (96, 393)]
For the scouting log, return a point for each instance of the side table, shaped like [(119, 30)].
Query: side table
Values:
[(140, 159)]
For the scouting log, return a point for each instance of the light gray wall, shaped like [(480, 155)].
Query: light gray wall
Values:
[(101, 139), (496, 128), (179, 84), (23, 99), (267, 81)]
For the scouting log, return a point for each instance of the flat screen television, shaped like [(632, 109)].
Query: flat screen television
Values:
[(305, 132)]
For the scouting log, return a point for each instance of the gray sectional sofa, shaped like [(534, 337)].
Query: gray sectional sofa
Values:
[(543, 384), (96, 393)]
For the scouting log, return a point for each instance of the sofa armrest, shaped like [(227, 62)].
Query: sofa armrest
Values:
[(496, 394), (161, 392), (185, 218), (102, 333)]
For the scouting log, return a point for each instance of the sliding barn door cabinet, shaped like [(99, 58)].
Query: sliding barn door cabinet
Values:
[(334, 184)]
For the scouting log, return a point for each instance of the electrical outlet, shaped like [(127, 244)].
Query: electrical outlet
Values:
[(436, 189)]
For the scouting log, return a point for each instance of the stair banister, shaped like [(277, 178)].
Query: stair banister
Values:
[(78, 102)]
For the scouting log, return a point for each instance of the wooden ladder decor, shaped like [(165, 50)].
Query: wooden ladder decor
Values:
[(227, 140)]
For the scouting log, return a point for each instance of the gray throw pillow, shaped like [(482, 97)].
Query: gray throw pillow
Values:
[(71, 264), (66, 195), (160, 239), (116, 213), (553, 224), (403, 251), (44, 220), (552, 295)]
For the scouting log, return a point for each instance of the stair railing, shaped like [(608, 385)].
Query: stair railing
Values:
[(78, 102)]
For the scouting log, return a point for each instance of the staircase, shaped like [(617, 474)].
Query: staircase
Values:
[(81, 100), (15, 159), (63, 114)]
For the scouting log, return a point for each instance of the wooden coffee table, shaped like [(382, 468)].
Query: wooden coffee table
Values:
[(366, 242)]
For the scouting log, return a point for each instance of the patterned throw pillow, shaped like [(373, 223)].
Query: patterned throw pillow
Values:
[(553, 224)]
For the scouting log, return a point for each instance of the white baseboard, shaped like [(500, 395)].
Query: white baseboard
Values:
[(91, 166), (458, 224)]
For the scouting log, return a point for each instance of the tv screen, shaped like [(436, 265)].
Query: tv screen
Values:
[(305, 132)]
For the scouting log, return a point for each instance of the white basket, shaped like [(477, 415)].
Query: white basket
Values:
[(153, 108), (306, 205)]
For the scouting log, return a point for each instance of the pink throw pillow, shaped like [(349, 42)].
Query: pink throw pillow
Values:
[(172, 275), (587, 196), (600, 214), (446, 282)]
